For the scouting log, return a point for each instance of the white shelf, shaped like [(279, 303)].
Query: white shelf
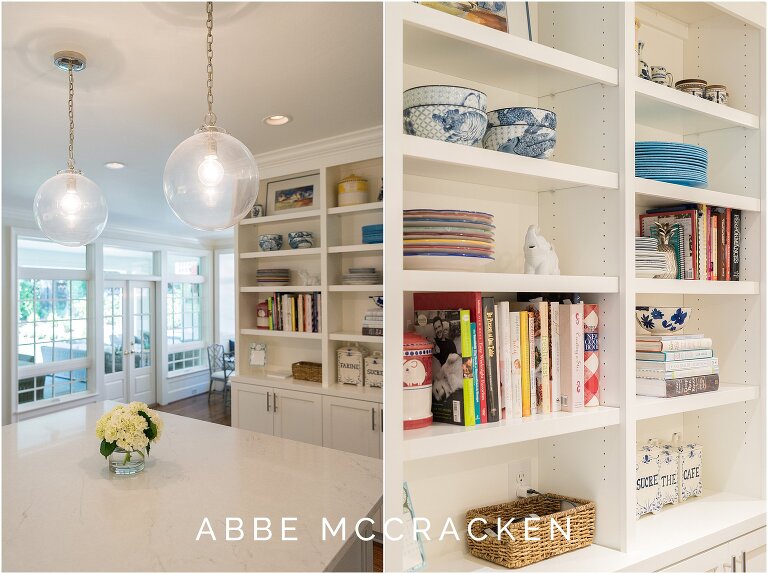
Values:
[(453, 46), (281, 253), (659, 193), (281, 289), (440, 439), (442, 160), (356, 337), (362, 248), (357, 288), (698, 287), (359, 392), (281, 217), (281, 334), (506, 282), (671, 110), (727, 394), (360, 208)]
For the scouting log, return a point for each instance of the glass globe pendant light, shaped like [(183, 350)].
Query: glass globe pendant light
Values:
[(69, 208), (211, 180)]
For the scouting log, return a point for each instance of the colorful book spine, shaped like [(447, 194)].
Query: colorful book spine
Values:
[(482, 377), (673, 355), (543, 350), (676, 345), (466, 366), (515, 362), (491, 371), (668, 388), (532, 363), (708, 231), (505, 357), (727, 257), (735, 244), (475, 384), (554, 340), (525, 371), (572, 356), (701, 220), (497, 332), (722, 247), (676, 365), (714, 244), (679, 374), (591, 355)]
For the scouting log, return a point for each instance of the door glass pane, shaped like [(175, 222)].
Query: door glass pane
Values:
[(142, 329), (113, 330)]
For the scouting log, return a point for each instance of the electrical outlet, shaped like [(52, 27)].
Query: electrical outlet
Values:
[(519, 472)]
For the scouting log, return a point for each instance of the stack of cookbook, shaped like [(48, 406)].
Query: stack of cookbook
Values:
[(675, 365)]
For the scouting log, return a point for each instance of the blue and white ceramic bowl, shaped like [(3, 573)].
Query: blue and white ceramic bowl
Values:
[(452, 124), (662, 320), (525, 140), (445, 95), (522, 116), (271, 242), (300, 239)]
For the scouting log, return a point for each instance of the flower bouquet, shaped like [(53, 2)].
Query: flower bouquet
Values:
[(126, 432)]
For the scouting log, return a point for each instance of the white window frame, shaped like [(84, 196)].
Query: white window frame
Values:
[(217, 294)]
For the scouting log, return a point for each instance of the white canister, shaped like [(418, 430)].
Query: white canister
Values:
[(647, 487), (350, 364), (669, 461), (352, 190), (374, 370), (417, 381), (689, 467)]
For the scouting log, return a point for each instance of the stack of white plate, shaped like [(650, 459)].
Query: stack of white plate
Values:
[(649, 261), (362, 276), (447, 239), (273, 276)]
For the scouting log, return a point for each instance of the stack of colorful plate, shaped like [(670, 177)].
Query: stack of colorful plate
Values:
[(672, 162), (373, 233), (447, 239), (273, 276), (362, 276)]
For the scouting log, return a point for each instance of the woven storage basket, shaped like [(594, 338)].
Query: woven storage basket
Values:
[(306, 371), (521, 552)]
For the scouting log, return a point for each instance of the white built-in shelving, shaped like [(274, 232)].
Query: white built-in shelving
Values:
[(309, 252), (281, 288), (281, 217), (283, 334), (356, 288), (355, 337), (581, 64), (361, 248), (359, 208)]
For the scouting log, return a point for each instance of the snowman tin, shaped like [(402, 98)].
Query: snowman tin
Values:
[(417, 381)]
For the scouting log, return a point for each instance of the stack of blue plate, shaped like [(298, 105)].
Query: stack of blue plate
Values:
[(373, 233), (672, 162)]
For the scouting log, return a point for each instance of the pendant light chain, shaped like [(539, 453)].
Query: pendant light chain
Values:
[(210, 118), (71, 156)]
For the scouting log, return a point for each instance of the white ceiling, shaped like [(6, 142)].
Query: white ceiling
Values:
[(143, 90)]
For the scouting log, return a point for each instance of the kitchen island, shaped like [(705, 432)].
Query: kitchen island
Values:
[(64, 511)]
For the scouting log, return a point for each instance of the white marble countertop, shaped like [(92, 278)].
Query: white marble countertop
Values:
[(64, 511)]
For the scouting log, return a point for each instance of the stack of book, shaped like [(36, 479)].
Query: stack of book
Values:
[(297, 312), (675, 365), (649, 261), (373, 322), (494, 360), (710, 243)]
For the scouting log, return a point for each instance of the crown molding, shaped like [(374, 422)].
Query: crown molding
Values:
[(367, 143)]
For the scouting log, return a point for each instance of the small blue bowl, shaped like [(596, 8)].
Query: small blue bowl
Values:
[(445, 95), (522, 116), (529, 141), (300, 239), (271, 242), (662, 320), (447, 123)]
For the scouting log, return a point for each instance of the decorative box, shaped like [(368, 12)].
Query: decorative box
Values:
[(669, 461), (350, 364), (648, 489), (417, 381), (374, 370), (689, 466), (262, 315), (353, 190)]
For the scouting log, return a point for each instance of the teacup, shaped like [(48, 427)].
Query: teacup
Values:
[(660, 75), (717, 94), (271, 242)]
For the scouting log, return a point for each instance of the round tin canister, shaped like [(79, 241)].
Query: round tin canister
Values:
[(353, 190), (417, 381)]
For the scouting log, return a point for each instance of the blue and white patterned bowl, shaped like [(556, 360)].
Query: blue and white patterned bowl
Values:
[(525, 140), (271, 242), (445, 95), (525, 116), (662, 320), (452, 124), (300, 239)]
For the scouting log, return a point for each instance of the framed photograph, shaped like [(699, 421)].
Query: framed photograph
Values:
[(491, 14), (296, 194), (257, 210)]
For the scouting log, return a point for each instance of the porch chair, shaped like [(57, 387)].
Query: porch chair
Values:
[(219, 369)]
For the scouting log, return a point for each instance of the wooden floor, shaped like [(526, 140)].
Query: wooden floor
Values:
[(198, 407), (378, 557)]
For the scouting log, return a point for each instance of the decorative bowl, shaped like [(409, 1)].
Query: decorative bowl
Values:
[(525, 140), (445, 95), (300, 239), (271, 242), (662, 320), (524, 116), (452, 124), (717, 94), (378, 300)]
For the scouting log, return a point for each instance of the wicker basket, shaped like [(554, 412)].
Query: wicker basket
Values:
[(306, 371), (521, 552)]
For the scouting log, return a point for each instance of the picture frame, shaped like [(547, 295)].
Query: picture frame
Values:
[(490, 14), (295, 194)]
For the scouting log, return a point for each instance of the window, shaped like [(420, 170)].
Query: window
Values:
[(52, 385), (44, 254), (128, 261), (185, 360), (225, 298), (184, 313), (184, 264), (185, 331)]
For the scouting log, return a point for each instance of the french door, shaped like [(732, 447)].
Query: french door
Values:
[(129, 341)]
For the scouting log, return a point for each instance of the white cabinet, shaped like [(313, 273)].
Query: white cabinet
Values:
[(743, 554), (352, 425), (285, 413)]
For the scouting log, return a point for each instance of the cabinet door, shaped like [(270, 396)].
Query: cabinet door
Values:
[(298, 416), (749, 551), (352, 426), (716, 559), (251, 408)]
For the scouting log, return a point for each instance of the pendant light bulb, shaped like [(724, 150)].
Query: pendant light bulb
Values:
[(69, 208), (211, 179)]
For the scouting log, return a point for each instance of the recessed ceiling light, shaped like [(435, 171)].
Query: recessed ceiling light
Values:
[(277, 120), (114, 165)]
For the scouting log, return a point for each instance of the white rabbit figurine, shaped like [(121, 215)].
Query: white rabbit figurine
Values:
[(540, 256)]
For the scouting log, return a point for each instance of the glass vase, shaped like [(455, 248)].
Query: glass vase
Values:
[(124, 462)]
